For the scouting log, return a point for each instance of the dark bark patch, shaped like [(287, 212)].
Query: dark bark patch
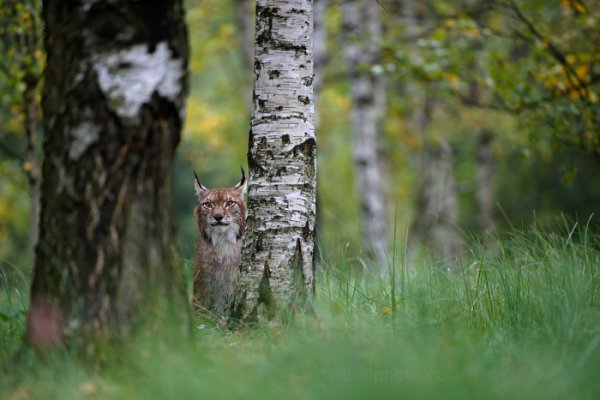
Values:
[(307, 148), (287, 46), (265, 15), (307, 80), (261, 104), (365, 100), (307, 233), (299, 301), (265, 294), (258, 244), (274, 74), (237, 310), (281, 171), (304, 100)]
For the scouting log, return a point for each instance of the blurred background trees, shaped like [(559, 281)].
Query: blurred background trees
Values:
[(495, 101)]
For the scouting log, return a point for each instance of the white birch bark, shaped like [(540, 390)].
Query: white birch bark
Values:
[(362, 26), (437, 218), (277, 266)]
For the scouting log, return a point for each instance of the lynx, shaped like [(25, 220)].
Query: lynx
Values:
[(221, 216)]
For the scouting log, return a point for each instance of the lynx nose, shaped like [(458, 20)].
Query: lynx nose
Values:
[(218, 218)]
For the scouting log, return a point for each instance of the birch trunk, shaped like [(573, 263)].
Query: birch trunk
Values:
[(484, 157), (484, 185), (362, 27), (245, 23), (320, 44), (437, 207), (113, 103), (436, 220), (277, 268)]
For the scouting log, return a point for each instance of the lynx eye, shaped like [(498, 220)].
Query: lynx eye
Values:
[(208, 204), (229, 203)]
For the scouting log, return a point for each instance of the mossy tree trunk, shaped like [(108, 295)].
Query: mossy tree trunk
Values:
[(113, 105), (277, 268)]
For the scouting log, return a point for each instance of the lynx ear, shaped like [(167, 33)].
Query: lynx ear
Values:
[(241, 185), (200, 188)]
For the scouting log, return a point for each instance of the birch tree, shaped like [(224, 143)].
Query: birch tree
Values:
[(277, 268), (362, 28), (113, 104), (245, 25), (320, 44), (436, 220)]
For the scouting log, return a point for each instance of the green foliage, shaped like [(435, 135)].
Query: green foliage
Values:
[(520, 319), (216, 128), (14, 218), (443, 60), (21, 69)]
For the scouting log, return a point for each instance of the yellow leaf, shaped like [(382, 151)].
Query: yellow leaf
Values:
[(582, 71), (577, 6), (573, 94), (27, 166)]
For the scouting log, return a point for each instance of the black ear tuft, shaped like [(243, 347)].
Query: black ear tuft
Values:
[(243, 181), (199, 186)]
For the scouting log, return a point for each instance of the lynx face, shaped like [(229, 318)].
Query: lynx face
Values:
[(221, 213)]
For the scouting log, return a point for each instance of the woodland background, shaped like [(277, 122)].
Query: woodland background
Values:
[(542, 115), (519, 313)]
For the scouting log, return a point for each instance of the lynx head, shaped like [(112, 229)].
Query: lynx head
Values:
[(221, 213)]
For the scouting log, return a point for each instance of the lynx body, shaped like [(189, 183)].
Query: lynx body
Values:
[(221, 216)]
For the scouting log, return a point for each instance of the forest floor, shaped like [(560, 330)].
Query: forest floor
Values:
[(521, 319)]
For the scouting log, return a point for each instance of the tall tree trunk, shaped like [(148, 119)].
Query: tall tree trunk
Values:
[(320, 59), (113, 103), (32, 164), (362, 27), (436, 220), (245, 23), (320, 44), (437, 208), (484, 182), (484, 156), (277, 268)]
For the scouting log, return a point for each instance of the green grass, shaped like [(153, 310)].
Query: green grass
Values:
[(520, 319)]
